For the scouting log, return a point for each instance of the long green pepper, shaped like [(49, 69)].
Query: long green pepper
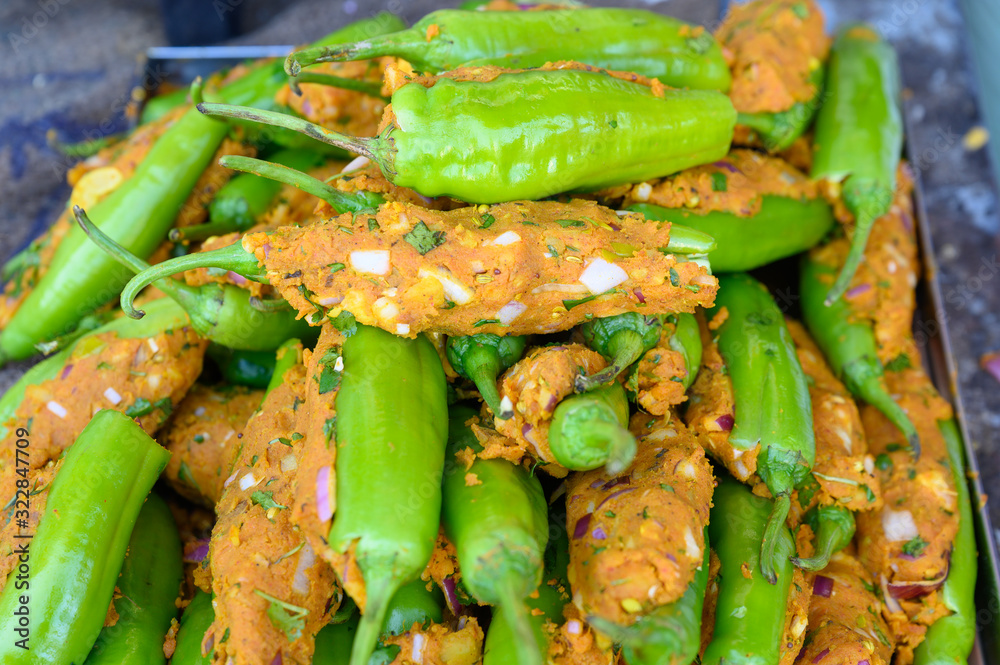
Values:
[(150, 582), (621, 339), (591, 429), (849, 346), (392, 416), (197, 618), (499, 527), (750, 611), (77, 553), (859, 134), (686, 341), (531, 134), (480, 358), (834, 528), (779, 130), (631, 40), (771, 395)]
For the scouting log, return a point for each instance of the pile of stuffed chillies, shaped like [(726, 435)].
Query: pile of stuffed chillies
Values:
[(489, 376)]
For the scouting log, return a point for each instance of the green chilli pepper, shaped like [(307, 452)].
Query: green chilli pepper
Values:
[(668, 635), (243, 368), (950, 639), (480, 358), (686, 341), (783, 227), (779, 130), (531, 134), (859, 134), (285, 358), (591, 429), (391, 416), (631, 40), (771, 395), (413, 603), (150, 582), (70, 567), (849, 346), (85, 148), (750, 611), (333, 642), (621, 339), (834, 529), (499, 527), (162, 315), (243, 199), (81, 276), (195, 622), (503, 645), (222, 313), (161, 105)]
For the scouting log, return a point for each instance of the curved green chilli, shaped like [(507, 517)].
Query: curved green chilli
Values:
[(783, 227), (750, 613), (394, 421), (779, 130), (686, 341), (150, 582), (670, 634), (500, 528), (859, 134), (950, 639), (621, 339), (78, 550), (849, 346), (243, 199), (771, 395), (480, 358), (221, 313), (195, 622), (631, 40), (531, 134), (243, 368), (834, 529), (591, 429)]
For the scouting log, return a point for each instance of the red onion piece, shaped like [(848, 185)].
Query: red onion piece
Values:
[(907, 222), (723, 164), (66, 370), (857, 290), (614, 227), (552, 403), (426, 199), (638, 294), (581, 527), (821, 655), (267, 249), (822, 586), (198, 554), (324, 506), (277, 659), (237, 279), (726, 422), (864, 662), (615, 482), (599, 534), (307, 108), (451, 596), (613, 495), (991, 364), (207, 648), (908, 590)]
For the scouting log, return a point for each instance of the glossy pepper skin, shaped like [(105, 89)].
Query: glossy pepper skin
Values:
[(150, 582), (686, 340), (532, 134), (252, 369), (394, 421), (499, 526), (781, 228), (243, 199), (779, 130), (221, 313), (834, 529), (480, 358), (591, 430), (859, 134), (950, 639), (195, 622), (621, 339), (631, 40), (750, 612), (80, 545), (849, 346), (773, 408), (670, 634)]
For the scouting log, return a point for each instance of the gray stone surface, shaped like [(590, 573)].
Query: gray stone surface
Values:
[(73, 73)]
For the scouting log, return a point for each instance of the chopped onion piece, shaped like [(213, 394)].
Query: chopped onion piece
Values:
[(600, 276), (248, 481), (692, 549), (822, 586), (112, 395), (456, 292), (356, 164), (324, 505), (372, 261), (307, 557), (560, 288), (153, 345), (506, 238), (331, 301), (898, 525), (56, 408), (402, 328), (418, 648), (511, 311), (289, 463)]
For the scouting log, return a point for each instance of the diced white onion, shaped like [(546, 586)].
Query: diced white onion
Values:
[(356, 164), (506, 238), (869, 464), (600, 276), (289, 463), (418, 648), (642, 191), (307, 557), (456, 292), (506, 405), (402, 328), (112, 396), (559, 288), (511, 311), (339, 365), (153, 345), (691, 545), (385, 309), (248, 481), (56, 408), (230, 479), (898, 525), (200, 411), (574, 627), (331, 301), (371, 261)]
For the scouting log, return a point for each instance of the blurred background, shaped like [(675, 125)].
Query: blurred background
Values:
[(71, 66)]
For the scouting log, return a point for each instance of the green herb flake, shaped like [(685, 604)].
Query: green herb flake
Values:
[(423, 239), (103, 365), (373, 224), (487, 220), (614, 124), (336, 267), (570, 304), (575, 223), (265, 500), (719, 182), (915, 547), (329, 427), (187, 477), (801, 10), (225, 635), (289, 553), (289, 619), (254, 460), (675, 278), (667, 488), (486, 322), (141, 407), (883, 462), (345, 323), (899, 363), (329, 378), (199, 438), (609, 513)]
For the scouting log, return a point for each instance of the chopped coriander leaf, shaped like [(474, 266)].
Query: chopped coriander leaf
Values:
[(423, 239), (915, 547), (265, 500), (719, 182), (289, 619)]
